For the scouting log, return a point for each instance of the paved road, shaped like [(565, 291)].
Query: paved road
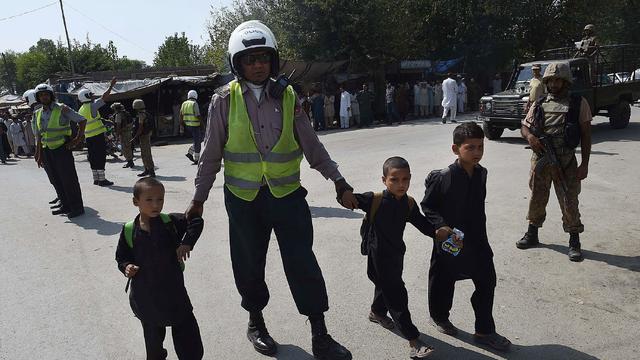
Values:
[(61, 296)]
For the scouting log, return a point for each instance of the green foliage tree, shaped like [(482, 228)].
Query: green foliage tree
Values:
[(47, 58), (489, 34), (178, 51)]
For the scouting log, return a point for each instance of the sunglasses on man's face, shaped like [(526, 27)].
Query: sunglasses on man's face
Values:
[(253, 58)]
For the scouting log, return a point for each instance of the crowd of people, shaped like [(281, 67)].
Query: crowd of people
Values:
[(344, 108), (16, 135)]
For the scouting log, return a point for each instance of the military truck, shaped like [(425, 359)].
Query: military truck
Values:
[(505, 110)]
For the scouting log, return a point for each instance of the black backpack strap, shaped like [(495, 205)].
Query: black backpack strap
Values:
[(375, 205)]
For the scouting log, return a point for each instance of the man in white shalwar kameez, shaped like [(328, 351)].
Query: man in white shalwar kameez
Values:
[(449, 98)]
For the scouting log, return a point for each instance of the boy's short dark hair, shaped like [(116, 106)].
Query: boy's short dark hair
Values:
[(395, 162), (143, 183), (468, 130)]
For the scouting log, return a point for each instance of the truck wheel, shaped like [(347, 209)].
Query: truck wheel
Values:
[(492, 132), (620, 114)]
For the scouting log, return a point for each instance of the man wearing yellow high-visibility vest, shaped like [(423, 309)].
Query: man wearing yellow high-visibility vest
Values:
[(190, 120), (94, 132), (262, 134), (53, 150)]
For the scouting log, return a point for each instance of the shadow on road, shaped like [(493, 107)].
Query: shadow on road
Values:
[(330, 212), (124, 189), (626, 262), (603, 132), (532, 352), (92, 221), (171, 178), (292, 352)]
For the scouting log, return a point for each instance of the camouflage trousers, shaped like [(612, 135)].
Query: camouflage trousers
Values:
[(125, 142), (145, 152), (540, 185)]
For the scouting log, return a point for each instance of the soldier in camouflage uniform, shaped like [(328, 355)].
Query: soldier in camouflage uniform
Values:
[(144, 127), (566, 121)]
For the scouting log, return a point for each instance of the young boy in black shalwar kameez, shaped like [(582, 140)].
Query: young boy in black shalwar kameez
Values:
[(454, 198), (150, 252), (387, 215)]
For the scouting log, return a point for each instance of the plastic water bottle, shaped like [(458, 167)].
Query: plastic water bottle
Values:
[(450, 246)]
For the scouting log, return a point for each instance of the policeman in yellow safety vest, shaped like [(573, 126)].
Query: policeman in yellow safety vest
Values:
[(94, 132), (257, 125), (190, 120), (53, 150)]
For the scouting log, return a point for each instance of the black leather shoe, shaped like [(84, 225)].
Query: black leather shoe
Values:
[(528, 241), (190, 157), (56, 206), (75, 213), (143, 174), (60, 211), (261, 340), (325, 348), (104, 183)]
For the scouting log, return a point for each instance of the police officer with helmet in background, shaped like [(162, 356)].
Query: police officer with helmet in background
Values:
[(53, 149), (257, 126)]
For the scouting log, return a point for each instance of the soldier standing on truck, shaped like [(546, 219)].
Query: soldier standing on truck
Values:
[(588, 46), (563, 121)]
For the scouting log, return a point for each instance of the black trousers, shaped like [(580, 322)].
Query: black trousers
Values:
[(97, 151), (196, 135), (62, 172), (56, 186), (250, 226), (442, 281), (186, 340), (390, 294)]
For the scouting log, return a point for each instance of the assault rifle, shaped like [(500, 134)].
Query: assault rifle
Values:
[(549, 157)]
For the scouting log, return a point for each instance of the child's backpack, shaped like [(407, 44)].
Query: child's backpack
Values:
[(129, 233), (366, 229)]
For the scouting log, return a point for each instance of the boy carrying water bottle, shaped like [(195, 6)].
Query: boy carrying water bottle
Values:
[(454, 200)]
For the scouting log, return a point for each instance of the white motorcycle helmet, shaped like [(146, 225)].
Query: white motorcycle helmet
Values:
[(192, 94), (44, 88), (30, 97), (252, 35), (84, 95)]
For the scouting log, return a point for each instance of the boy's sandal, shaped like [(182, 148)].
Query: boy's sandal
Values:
[(421, 351), (496, 341)]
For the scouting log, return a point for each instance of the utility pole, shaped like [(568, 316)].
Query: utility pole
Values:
[(64, 21)]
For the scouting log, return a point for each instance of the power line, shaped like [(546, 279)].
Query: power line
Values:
[(107, 29), (27, 12)]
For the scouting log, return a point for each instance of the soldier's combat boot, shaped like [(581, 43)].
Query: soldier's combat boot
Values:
[(575, 253), (530, 238)]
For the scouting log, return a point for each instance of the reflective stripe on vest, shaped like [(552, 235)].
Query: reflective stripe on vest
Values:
[(189, 114), (94, 124), (55, 134), (245, 169)]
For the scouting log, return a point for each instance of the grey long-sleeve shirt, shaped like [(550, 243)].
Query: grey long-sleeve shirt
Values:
[(266, 119)]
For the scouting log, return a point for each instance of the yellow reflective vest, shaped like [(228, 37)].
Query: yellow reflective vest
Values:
[(245, 168), (189, 114), (94, 125), (55, 134)]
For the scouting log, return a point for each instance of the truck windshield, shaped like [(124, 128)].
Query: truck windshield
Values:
[(524, 75)]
